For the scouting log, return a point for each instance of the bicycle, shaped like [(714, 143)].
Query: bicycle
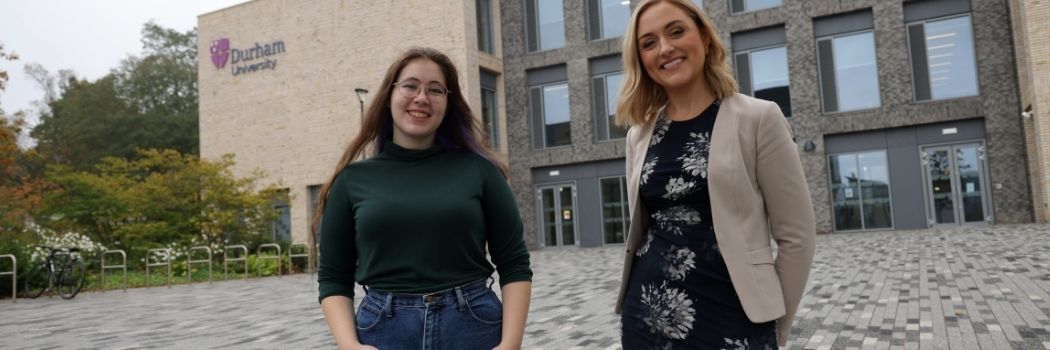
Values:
[(67, 274)]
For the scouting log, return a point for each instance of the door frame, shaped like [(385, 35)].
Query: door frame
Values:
[(542, 239), (986, 201)]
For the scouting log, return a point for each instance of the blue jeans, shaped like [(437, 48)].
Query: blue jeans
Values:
[(465, 317)]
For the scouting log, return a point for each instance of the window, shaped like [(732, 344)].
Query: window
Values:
[(615, 220), (849, 78), (606, 94), (485, 41), (315, 193), (545, 24), (549, 107), (281, 228), (607, 18), (860, 191), (741, 6), (490, 108), (940, 38), (606, 79), (761, 65)]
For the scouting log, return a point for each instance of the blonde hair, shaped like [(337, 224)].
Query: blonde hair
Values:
[(640, 96)]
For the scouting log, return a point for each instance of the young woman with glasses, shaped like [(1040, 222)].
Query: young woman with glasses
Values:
[(712, 177), (412, 208)]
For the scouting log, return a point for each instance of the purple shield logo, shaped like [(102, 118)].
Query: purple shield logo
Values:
[(220, 51)]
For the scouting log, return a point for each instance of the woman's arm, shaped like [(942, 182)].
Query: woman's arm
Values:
[(339, 312), (789, 207), (515, 311), (337, 265)]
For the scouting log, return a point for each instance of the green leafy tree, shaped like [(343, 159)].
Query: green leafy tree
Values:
[(146, 102), (161, 198)]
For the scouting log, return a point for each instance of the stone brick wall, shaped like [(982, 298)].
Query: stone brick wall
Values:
[(1031, 22)]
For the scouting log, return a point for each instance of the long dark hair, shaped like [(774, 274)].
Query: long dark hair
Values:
[(458, 131)]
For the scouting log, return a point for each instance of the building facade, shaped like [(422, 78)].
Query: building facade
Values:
[(1031, 22), (907, 114), (283, 83)]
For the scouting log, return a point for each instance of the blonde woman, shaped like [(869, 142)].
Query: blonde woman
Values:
[(712, 175)]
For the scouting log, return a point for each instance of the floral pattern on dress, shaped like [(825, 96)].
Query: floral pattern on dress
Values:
[(672, 219), (647, 169), (678, 261), (662, 125), (671, 311), (678, 188), (694, 160)]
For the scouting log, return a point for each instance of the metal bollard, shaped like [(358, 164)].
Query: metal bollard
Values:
[(167, 257), (190, 262), (123, 265), (306, 255), (259, 256), (14, 276), (226, 259)]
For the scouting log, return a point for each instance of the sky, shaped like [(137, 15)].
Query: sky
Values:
[(89, 37)]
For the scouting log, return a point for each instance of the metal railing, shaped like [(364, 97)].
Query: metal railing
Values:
[(226, 259), (123, 265), (167, 258), (260, 257), (309, 260), (190, 262), (14, 276)]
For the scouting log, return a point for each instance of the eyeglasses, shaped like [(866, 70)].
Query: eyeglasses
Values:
[(410, 89)]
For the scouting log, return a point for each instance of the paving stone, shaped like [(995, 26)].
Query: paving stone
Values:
[(973, 288)]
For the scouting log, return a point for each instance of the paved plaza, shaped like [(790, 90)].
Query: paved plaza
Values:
[(976, 288)]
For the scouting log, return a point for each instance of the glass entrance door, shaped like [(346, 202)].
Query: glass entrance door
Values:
[(558, 215), (955, 184)]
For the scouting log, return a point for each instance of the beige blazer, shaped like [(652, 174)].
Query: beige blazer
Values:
[(758, 191)]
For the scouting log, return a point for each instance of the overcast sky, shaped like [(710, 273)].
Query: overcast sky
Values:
[(89, 37)]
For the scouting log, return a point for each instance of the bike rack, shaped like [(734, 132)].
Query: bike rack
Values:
[(190, 262), (260, 257), (123, 265), (226, 259), (14, 276), (167, 257), (309, 261)]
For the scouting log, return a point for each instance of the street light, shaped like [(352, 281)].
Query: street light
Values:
[(361, 95)]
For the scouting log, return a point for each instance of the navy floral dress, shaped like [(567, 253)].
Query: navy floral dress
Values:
[(679, 295)]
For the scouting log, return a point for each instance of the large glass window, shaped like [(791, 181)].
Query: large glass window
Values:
[(551, 111), (942, 58), (490, 116), (485, 41), (606, 95), (739, 6), (860, 191), (849, 75), (763, 73), (545, 24), (607, 18), (615, 220)]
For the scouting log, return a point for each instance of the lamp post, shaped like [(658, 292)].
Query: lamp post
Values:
[(361, 94)]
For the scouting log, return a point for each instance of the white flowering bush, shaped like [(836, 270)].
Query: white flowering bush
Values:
[(88, 249)]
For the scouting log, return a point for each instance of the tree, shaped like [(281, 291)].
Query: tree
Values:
[(161, 197), (146, 102)]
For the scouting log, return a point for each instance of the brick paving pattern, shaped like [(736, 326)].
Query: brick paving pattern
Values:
[(975, 288)]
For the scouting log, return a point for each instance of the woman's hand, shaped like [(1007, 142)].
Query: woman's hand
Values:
[(504, 346)]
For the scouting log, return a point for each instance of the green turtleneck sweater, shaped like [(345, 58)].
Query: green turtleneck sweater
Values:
[(418, 221)]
